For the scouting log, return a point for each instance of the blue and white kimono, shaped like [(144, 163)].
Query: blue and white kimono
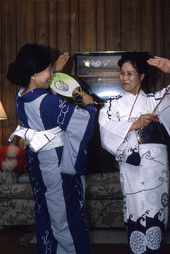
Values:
[(56, 173), (143, 162)]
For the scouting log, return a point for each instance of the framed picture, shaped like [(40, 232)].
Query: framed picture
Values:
[(99, 73)]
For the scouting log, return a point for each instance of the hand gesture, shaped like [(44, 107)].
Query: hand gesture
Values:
[(61, 62), (87, 99), (143, 121), (161, 63)]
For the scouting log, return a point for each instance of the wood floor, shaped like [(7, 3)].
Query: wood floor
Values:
[(12, 242)]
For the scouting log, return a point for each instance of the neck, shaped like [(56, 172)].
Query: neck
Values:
[(136, 93)]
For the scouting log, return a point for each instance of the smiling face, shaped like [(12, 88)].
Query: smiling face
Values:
[(130, 78)]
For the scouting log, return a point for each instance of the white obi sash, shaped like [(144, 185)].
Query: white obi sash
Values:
[(40, 140)]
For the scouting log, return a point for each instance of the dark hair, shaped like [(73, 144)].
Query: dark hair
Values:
[(31, 59), (139, 62), (137, 59)]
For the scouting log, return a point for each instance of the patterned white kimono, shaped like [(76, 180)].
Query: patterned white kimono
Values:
[(143, 166)]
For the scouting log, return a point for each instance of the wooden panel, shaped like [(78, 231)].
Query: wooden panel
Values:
[(25, 17), (74, 32), (63, 28), (87, 25), (147, 24), (1, 135), (0, 53), (41, 22), (166, 37), (101, 25), (147, 36), (158, 37), (0, 44), (113, 25), (130, 25), (63, 32), (52, 29), (166, 11), (8, 40), (158, 28)]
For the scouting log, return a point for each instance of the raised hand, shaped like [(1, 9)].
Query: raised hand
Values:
[(61, 62), (161, 63)]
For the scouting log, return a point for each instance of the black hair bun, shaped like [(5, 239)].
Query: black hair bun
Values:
[(17, 75), (31, 59)]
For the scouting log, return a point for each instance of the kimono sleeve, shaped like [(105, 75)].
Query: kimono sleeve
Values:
[(77, 136), (112, 131), (163, 110)]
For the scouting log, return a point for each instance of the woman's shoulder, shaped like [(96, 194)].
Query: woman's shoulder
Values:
[(160, 93), (56, 101), (116, 97)]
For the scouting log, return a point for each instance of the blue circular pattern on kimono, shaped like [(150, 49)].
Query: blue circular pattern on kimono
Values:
[(153, 238), (137, 242), (164, 199)]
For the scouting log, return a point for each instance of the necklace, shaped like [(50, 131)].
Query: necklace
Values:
[(133, 106)]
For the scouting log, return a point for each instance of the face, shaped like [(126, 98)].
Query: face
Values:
[(41, 79), (130, 78)]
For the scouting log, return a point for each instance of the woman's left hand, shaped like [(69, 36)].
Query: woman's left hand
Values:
[(143, 121)]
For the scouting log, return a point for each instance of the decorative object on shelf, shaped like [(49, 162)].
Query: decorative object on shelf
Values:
[(3, 115), (98, 72)]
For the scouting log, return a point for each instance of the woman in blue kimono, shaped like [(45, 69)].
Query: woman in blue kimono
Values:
[(56, 170), (132, 129)]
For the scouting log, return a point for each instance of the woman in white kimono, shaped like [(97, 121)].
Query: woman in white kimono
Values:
[(128, 124)]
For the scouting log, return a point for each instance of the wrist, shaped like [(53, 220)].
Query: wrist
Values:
[(53, 70)]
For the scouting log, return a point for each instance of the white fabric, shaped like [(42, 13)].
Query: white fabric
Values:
[(143, 185), (114, 124), (164, 111), (40, 140)]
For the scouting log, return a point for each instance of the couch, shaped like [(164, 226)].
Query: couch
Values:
[(103, 200), (16, 199), (103, 196)]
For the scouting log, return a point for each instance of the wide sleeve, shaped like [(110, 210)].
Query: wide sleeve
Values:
[(113, 131), (163, 110), (77, 136)]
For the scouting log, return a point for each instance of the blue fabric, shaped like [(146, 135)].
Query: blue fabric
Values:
[(59, 207)]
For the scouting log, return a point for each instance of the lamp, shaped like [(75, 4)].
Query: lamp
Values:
[(3, 115)]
